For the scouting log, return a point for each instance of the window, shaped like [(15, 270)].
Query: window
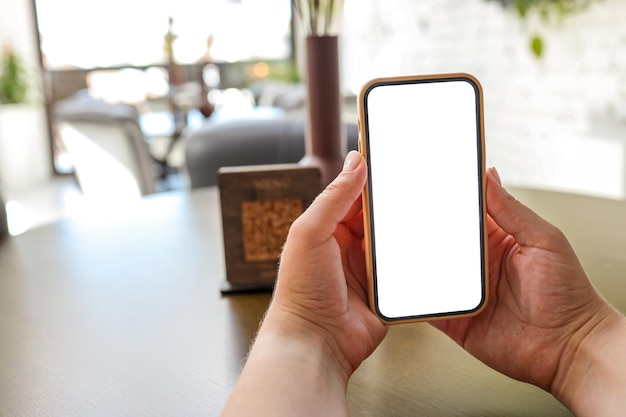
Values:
[(116, 50), (91, 34)]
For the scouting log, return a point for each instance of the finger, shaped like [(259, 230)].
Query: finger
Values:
[(333, 205), (356, 225), (512, 216), (494, 231), (356, 208)]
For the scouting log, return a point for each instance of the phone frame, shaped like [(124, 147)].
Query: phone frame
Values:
[(369, 237)]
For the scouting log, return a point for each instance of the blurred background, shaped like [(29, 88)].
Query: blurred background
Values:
[(554, 79), (553, 74)]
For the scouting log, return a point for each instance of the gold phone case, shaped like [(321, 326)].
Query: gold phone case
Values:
[(367, 218)]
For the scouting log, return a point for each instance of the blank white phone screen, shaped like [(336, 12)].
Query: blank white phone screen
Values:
[(425, 157)]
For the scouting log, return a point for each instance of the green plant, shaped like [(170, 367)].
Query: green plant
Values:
[(317, 16), (13, 78), (169, 39), (547, 10)]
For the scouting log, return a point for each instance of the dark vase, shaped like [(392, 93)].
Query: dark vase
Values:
[(325, 134)]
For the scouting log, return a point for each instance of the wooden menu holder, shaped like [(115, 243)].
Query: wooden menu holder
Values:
[(258, 205)]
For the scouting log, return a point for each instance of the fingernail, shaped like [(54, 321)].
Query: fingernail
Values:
[(352, 161)]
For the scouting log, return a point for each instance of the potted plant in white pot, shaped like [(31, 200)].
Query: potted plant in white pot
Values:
[(24, 152)]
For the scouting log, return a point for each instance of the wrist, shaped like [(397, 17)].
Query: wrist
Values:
[(592, 378), (288, 374), (309, 340)]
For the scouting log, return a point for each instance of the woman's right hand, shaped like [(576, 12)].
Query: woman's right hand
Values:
[(544, 322)]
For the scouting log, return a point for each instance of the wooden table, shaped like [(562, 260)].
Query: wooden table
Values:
[(121, 315)]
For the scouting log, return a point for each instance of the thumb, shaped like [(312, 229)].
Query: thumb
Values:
[(512, 216), (330, 208)]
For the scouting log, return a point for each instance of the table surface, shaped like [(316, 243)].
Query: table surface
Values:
[(121, 315)]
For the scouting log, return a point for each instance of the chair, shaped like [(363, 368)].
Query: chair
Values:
[(240, 142), (107, 147)]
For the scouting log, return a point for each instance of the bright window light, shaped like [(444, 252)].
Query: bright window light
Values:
[(98, 33)]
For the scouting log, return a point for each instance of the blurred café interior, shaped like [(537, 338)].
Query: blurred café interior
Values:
[(116, 115), (555, 88), (154, 71)]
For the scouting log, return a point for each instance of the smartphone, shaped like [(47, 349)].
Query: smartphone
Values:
[(424, 200)]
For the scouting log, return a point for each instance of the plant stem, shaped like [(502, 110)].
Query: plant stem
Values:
[(330, 10), (315, 14)]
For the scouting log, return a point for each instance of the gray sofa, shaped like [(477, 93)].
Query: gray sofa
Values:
[(240, 142)]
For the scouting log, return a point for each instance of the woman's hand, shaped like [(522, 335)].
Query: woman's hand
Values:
[(321, 289), (318, 328), (542, 307)]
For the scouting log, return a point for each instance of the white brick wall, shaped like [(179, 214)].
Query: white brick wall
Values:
[(558, 123)]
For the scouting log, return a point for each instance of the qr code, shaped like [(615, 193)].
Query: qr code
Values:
[(265, 226)]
